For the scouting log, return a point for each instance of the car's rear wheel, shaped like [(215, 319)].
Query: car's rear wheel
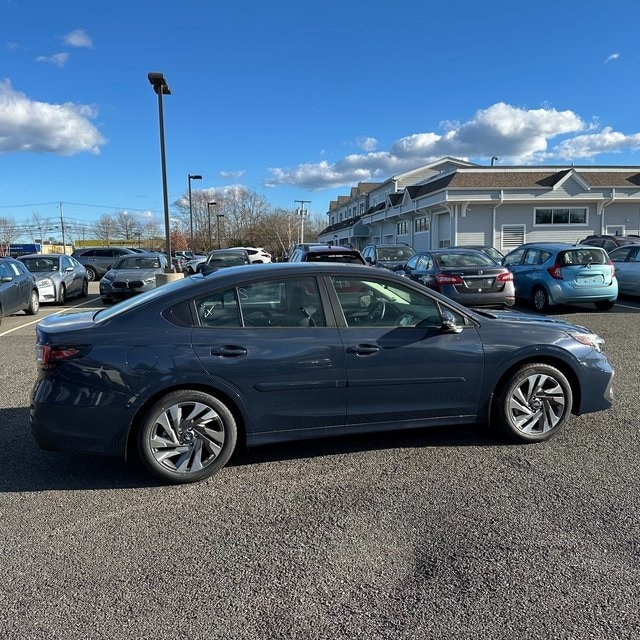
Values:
[(34, 304), (540, 300), (605, 305), (62, 294), (91, 274), (187, 436), (535, 403)]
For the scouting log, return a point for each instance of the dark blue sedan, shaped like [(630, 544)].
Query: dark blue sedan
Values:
[(268, 353)]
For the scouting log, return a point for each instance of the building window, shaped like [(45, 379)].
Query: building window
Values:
[(421, 224), (402, 228), (561, 216)]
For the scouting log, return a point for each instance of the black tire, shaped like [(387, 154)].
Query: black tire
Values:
[(91, 274), (605, 305), (187, 436), (62, 294), (34, 304), (534, 403), (84, 292), (540, 300)]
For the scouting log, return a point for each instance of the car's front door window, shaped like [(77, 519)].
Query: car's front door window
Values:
[(380, 303)]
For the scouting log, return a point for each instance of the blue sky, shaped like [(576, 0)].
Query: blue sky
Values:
[(301, 99)]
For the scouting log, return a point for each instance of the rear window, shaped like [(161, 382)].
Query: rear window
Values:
[(583, 255), (351, 258)]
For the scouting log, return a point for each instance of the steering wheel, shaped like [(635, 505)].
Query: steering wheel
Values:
[(378, 311)]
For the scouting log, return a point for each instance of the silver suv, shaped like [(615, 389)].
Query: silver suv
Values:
[(98, 260)]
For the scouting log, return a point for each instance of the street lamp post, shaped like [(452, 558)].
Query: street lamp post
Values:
[(161, 88), (209, 205), (191, 213), (219, 216)]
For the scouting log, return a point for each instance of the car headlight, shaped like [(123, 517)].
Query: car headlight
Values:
[(45, 282), (110, 275), (589, 339), (149, 280)]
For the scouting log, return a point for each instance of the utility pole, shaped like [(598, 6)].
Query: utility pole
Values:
[(64, 246), (302, 212)]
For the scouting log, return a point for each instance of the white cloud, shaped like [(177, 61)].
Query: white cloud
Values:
[(590, 145), (31, 126), (232, 174), (57, 59), (515, 135), (367, 143), (613, 56), (78, 38)]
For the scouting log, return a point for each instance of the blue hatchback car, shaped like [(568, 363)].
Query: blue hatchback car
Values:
[(553, 273)]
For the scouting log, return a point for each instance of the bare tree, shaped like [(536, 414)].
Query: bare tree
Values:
[(125, 225), (40, 226), (105, 228), (8, 232)]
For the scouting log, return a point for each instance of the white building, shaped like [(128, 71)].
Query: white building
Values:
[(452, 202)]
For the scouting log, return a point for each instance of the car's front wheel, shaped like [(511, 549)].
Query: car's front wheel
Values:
[(187, 436), (535, 402), (84, 292)]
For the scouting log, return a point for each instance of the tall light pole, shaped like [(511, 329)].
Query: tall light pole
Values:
[(209, 205), (161, 88), (191, 212), (302, 213), (219, 216)]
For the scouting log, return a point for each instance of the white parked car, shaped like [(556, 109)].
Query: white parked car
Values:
[(256, 254)]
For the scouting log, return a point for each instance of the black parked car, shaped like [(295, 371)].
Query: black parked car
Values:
[(388, 256), (326, 253), (260, 354), (609, 243), (468, 276), (18, 289), (223, 258)]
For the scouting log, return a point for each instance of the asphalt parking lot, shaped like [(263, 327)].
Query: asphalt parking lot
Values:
[(447, 533)]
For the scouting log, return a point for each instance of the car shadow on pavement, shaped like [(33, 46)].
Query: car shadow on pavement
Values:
[(463, 436), (28, 468)]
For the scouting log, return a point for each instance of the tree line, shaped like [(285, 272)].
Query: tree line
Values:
[(227, 217)]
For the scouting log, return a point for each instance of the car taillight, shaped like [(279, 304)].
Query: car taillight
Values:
[(47, 355), (443, 278), (505, 277), (555, 271)]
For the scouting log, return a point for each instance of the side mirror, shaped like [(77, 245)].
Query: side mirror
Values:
[(449, 323)]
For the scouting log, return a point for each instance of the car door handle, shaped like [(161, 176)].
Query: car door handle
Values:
[(228, 351), (364, 349)]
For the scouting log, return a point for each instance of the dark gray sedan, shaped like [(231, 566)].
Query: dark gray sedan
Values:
[(266, 353), (131, 275)]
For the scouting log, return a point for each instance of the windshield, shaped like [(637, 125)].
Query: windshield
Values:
[(463, 260), (394, 253), (137, 262), (227, 260), (41, 264)]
